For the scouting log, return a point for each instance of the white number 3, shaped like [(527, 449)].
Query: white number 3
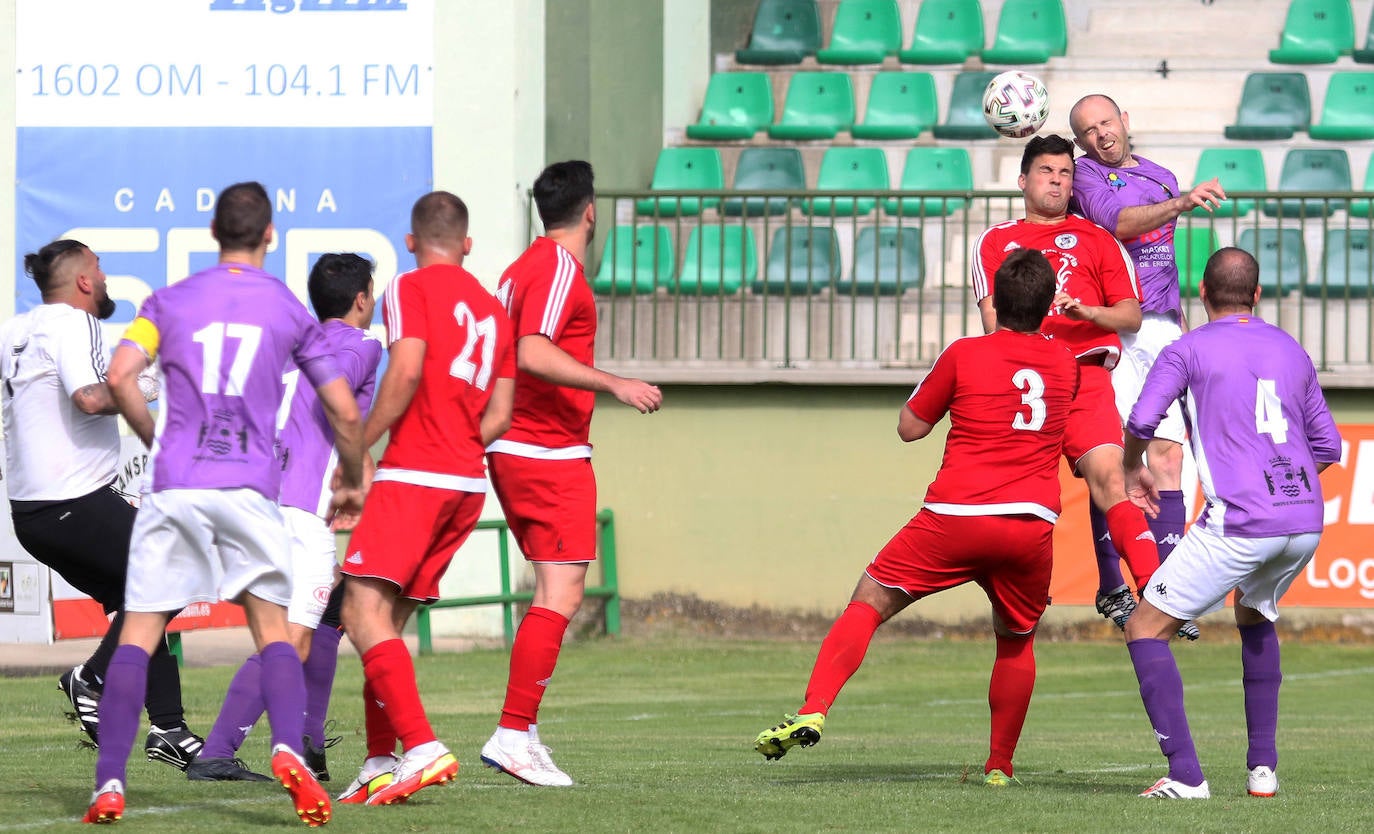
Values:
[(1032, 396), (478, 373)]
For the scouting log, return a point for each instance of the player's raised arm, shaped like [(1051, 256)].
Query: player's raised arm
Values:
[(128, 362)]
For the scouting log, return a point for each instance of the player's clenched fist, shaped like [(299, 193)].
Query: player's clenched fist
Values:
[(639, 395)]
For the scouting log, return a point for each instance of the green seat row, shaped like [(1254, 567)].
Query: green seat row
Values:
[(1304, 169), (1347, 268), (1315, 32), (1275, 105)]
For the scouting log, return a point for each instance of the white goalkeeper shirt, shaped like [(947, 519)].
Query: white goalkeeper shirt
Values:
[(53, 450)]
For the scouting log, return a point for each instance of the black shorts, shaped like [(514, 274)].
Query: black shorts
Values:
[(85, 540)]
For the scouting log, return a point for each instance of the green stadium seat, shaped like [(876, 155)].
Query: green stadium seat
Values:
[(933, 169), (865, 32), (636, 259), (888, 260), (802, 260), (1282, 258), (947, 32), (1348, 113), (718, 261), (900, 106), (684, 169), (1238, 169), (785, 32), (1029, 32), (965, 117), (819, 105), (765, 169), (1347, 269), (1311, 169), (1194, 243), (737, 105), (1315, 32), (1362, 208), (1273, 105), (1366, 55), (854, 169)]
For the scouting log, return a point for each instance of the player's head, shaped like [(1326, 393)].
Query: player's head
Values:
[(1230, 282), (439, 229), (1046, 180), (340, 284), (1101, 129), (67, 270), (243, 218), (1022, 290), (564, 194)]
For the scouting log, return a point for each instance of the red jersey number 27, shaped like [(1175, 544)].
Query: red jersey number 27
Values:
[(477, 373)]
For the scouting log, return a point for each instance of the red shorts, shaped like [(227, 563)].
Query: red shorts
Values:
[(1009, 556), (408, 535), (550, 505), (1093, 418)]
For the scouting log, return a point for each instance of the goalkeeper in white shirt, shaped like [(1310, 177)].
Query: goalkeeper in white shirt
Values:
[(61, 455)]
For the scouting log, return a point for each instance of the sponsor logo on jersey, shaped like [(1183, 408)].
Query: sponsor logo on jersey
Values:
[(1068, 240), (1172, 538), (1010, 246), (356, 558)]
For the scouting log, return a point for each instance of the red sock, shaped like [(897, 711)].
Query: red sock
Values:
[(842, 652), (390, 672), (1009, 694), (381, 738), (1134, 541), (532, 660)]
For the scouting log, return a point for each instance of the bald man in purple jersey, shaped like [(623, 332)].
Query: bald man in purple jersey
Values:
[(1261, 433)]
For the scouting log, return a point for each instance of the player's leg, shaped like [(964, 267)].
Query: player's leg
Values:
[(1161, 690), (320, 665), (243, 706), (1164, 455)]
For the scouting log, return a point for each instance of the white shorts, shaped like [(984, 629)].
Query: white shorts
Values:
[(1138, 353), (313, 565), (1205, 567), (204, 545)]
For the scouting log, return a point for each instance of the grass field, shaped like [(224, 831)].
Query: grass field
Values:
[(658, 736)]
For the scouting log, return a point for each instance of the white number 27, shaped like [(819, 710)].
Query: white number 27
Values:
[(474, 373)]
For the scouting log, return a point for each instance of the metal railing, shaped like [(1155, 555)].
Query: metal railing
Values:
[(779, 284)]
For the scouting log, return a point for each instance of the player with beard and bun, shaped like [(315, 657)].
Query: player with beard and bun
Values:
[(62, 451), (210, 528), (542, 469), (1096, 296), (988, 515)]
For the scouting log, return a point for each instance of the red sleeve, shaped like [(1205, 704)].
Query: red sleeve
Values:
[(987, 258), (1115, 271), (540, 300), (505, 348), (931, 399), (403, 310)]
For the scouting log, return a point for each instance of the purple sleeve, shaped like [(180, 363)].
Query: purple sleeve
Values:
[(1322, 434), (1095, 198), (360, 369), (312, 352), (1166, 382)]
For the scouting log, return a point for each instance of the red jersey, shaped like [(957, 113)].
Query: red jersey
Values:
[(469, 343), (546, 292), (1089, 264), (1008, 396)]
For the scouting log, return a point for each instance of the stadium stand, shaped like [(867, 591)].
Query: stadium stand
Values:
[(1348, 111), (1273, 105), (1362, 208), (737, 105), (1029, 32), (801, 260), (1193, 245), (819, 105), (1238, 169), (1366, 55), (854, 169), (684, 169), (865, 32), (765, 169), (947, 32), (964, 118), (1282, 257), (718, 261), (1315, 32), (901, 105), (785, 32), (635, 260), (932, 169), (1347, 270), (888, 260), (1310, 169)]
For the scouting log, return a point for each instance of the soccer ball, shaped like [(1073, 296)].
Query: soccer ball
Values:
[(1016, 104)]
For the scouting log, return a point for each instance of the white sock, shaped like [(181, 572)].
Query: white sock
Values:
[(378, 764), (534, 734), (512, 739), (429, 748)]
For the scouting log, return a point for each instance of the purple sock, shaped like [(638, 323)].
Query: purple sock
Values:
[(1109, 576), (1161, 688), (1259, 657), (243, 706), (1169, 525), (121, 708), (283, 690), (319, 680)]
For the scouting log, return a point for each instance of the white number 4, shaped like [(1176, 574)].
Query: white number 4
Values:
[(479, 373), (1269, 411)]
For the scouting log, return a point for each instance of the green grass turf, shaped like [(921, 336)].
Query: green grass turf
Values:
[(658, 735)]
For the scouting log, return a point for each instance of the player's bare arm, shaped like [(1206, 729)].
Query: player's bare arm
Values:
[(341, 410), (497, 416), (122, 379), (988, 314), (910, 427), (1121, 317), (1135, 221), (406, 359), (94, 399), (536, 354)]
